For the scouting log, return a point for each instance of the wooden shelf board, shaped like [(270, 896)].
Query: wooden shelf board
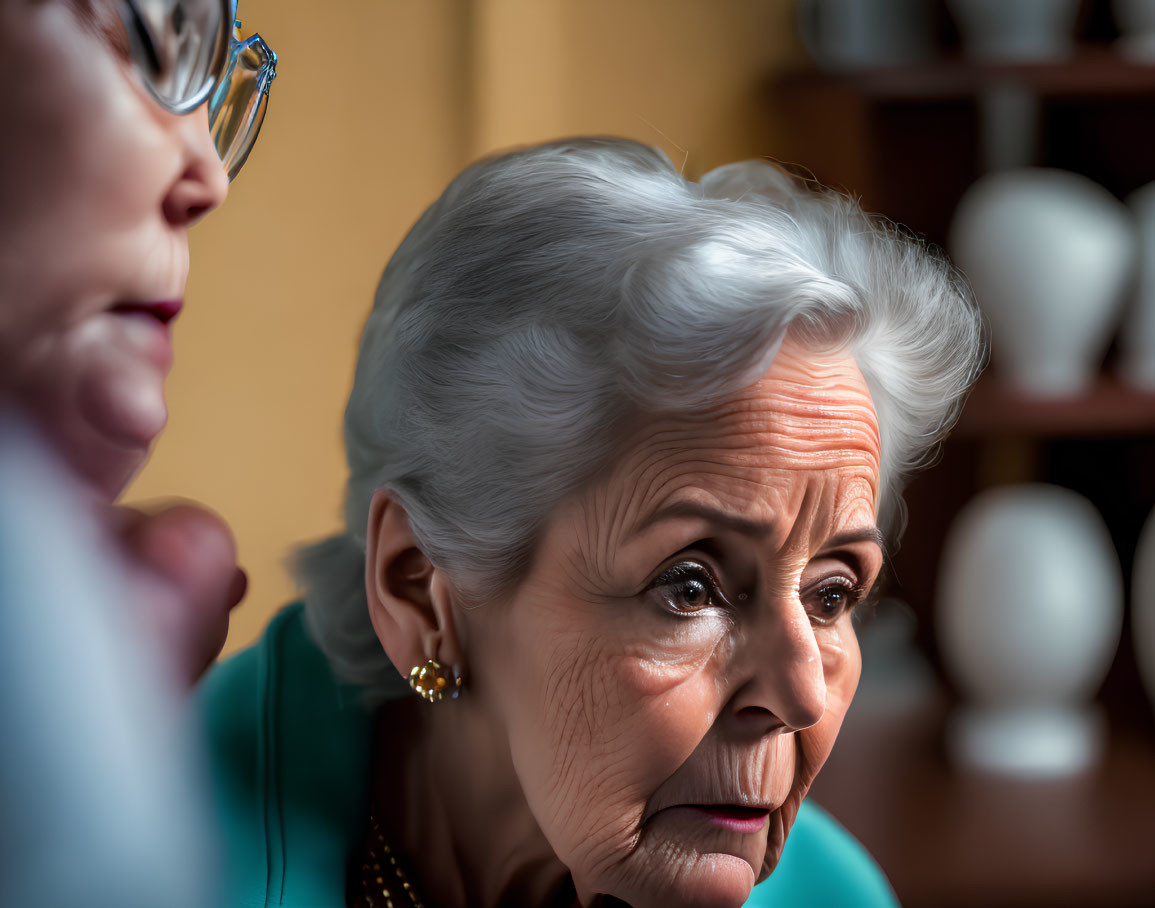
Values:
[(1108, 408), (1094, 72)]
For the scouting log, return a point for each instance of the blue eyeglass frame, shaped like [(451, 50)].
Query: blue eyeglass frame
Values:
[(263, 78), (221, 69)]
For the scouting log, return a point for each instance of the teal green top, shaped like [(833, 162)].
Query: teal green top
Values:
[(289, 749)]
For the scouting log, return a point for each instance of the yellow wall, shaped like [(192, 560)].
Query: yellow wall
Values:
[(686, 75), (378, 103)]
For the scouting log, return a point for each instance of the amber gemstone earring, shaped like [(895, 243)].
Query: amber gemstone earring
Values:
[(433, 682)]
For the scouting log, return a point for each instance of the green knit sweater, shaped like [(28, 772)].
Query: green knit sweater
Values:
[(289, 749)]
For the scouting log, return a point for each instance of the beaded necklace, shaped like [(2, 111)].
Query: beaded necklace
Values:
[(383, 883)]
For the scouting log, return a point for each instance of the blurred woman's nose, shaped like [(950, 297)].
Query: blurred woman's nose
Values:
[(202, 183), (785, 683)]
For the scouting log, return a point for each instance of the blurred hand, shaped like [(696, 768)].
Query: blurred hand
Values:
[(106, 615), (181, 566)]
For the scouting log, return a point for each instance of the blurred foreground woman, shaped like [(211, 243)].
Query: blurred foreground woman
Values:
[(624, 450), (123, 122)]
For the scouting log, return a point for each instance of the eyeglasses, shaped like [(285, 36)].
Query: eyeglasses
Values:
[(189, 52)]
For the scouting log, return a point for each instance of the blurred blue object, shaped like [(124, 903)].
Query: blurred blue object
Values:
[(100, 795)]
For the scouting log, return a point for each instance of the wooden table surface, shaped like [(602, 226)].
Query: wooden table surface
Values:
[(946, 837)]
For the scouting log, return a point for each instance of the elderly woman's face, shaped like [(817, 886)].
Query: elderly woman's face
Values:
[(675, 667), (98, 186)]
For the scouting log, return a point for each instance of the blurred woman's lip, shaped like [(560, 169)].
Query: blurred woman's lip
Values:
[(164, 311), (148, 324)]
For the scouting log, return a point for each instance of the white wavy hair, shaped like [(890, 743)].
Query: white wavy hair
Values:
[(555, 292)]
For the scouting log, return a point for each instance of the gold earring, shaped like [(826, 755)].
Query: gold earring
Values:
[(433, 682)]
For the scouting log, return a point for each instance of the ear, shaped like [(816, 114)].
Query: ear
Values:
[(410, 600)]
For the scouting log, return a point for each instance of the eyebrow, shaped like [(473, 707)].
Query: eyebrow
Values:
[(755, 528), (866, 534)]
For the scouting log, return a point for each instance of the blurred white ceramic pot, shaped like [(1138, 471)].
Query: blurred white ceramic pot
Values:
[(1136, 21), (1030, 609), (1137, 335), (1143, 606), (1016, 30), (1049, 254), (853, 34)]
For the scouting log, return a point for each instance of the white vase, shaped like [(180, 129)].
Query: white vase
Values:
[(1016, 30), (854, 34), (1136, 21), (1029, 614), (1137, 334), (1143, 606), (1049, 254)]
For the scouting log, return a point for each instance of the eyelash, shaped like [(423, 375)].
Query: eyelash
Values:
[(691, 575), (680, 577)]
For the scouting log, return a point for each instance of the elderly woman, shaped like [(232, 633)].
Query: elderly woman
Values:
[(123, 121), (624, 449)]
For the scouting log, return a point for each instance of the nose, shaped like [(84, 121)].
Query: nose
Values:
[(782, 680), (202, 184)]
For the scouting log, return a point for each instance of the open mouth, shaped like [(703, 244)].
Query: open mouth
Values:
[(164, 311), (735, 817)]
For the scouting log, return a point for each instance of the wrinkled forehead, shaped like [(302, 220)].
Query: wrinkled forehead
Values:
[(801, 446)]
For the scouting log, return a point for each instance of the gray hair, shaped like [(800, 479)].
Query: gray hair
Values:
[(554, 293)]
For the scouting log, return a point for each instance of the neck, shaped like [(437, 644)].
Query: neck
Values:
[(448, 798)]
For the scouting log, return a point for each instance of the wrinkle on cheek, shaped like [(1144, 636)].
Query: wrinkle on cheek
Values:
[(623, 723), (565, 698), (589, 734), (656, 670)]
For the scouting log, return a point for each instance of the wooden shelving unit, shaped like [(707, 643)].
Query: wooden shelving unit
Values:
[(907, 141)]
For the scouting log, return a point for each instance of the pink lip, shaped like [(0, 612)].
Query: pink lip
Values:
[(734, 817), (159, 314), (164, 311)]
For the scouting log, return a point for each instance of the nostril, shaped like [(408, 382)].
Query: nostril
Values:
[(758, 719), (196, 192)]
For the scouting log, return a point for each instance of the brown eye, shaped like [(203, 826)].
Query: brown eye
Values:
[(686, 588), (832, 599)]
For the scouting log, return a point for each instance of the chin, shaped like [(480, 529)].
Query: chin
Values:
[(707, 881), (722, 881), (106, 465), (112, 477), (111, 435), (101, 410)]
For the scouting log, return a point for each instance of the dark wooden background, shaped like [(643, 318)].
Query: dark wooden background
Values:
[(907, 141)]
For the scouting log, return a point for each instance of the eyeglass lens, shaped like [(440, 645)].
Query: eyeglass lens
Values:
[(182, 46), (239, 103), (186, 49)]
